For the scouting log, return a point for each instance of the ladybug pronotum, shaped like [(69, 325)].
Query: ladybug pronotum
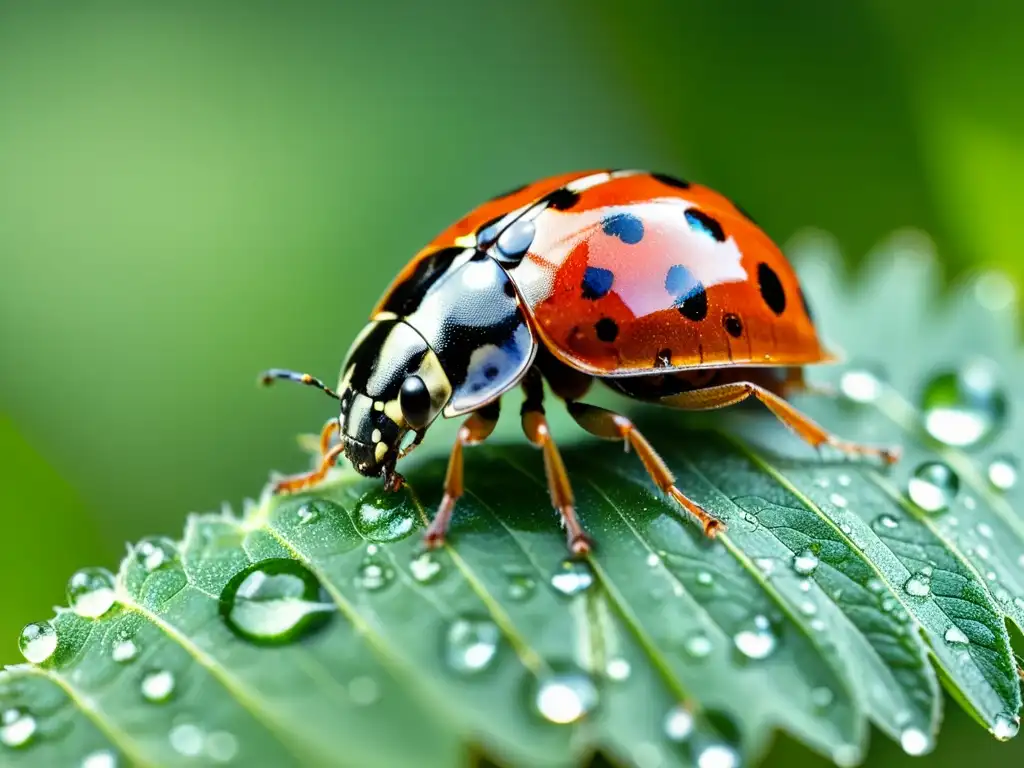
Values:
[(663, 290)]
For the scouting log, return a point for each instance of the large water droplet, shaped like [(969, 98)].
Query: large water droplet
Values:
[(1002, 472), (933, 486), (379, 518), (38, 642), (862, 384), (718, 756), (155, 552), (966, 407), (124, 650), (698, 646), (274, 601), (425, 567), (805, 563), (678, 723), (91, 592), (956, 636), (158, 685), (470, 644), (17, 727), (101, 759), (1005, 726), (572, 577), (920, 584), (756, 642), (565, 698), (915, 741)]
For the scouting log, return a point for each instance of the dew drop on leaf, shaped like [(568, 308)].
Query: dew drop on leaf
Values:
[(307, 514), (618, 669), (698, 646), (155, 552), (678, 724), (920, 584), (1002, 472), (374, 572), (914, 741), (378, 518), (718, 756), (806, 562), (521, 586), (425, 567), (101, 759), (17, 727), (38, 641), (157, 685), (470, 644), (124, 650), (221, 746), (705, 579), (565, 698), (956, 636), (965, 407), (846, 756), (186, 739), (653, 561), (91, 592), (572, 577), (1005, 727), (861, 385), (839, 500), (275, 601), (756, 642), (933, 487), (884, 523), (822, 697)]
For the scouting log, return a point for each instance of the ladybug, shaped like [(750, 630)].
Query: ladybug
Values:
[(664, 290)]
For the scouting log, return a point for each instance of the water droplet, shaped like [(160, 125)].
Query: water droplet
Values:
[(718, 756), (818, 625), (157, 685), (862, 385), (678, 723), (876, 586), (884, 523), (38, 642), (766, 565), (807, 608), (572, 577), (274, 601), (920, 584), (1005, 726), (618, 669), (521, 586), (17, 727), (838, 499), (101, 759), (705, 579), (155, 552), (653, 560), (221, 746), (186, 739), (698, 646), (966, 407), (363, 691), (844, 480), (471, 644), (379, 518), (805, 563), (425, 567), (307, 513), (124, 650), (914, 741), (1002, 472), (565, 698), (985, 530), (91, 592), (846, 756), (822, 697), (374, 572), (955, 636), (933, 486), (756, 642)]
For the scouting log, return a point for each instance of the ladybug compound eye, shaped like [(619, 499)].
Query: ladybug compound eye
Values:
[(415, 402)]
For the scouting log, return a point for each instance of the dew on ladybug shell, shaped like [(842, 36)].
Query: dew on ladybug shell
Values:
[(966, 407)]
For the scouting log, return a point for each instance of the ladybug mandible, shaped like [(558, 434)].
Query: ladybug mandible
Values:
[(664, 290)]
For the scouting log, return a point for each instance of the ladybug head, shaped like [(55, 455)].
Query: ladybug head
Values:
[(392, 385)]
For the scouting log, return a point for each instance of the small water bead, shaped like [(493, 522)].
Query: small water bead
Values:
[(572, 577), (839, 500), (155, 552), (566, 698), (38, 642), (470, 644), (158, 685), (806, 562), (374, 574), (425, 568), (17, 727), (91, 592), (521, 586), (920, 584), (807, 608), (705, 579), (618, 669), (966, 407), (653, 560), (844, 480), (757, 642), (766, 565), (1006, 727), (914, 741), (275, 601), (818, 625), (846, 756), (124, 651), (307, 513), (379, 518), (678, 724), (186, 739), (718, 756), (1002, 472), (822, 697), (101, 759), (933, 486), (876, 586), (698, 646), (862, 385), (955, 636), (884, 523)]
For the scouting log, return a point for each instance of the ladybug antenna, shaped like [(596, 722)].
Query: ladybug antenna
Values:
[(267, 378)]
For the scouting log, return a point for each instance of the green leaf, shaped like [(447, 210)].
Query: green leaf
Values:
[(832, 603)]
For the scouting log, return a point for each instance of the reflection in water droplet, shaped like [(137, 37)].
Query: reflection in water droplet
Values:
[(1002, 472), (38, 642), (155, 552), (157, 685), (17, 727), (307, 514), (698, 646), (91, 592), (572, 577), (1006, 726), (274, 601), (378, 518), (914, 741), (425, 567), (124, 651), (964, 408), (470, 644), (374, 573), (933, 486), (955, 636), (101, 759), (617, 669), (757, 642), (805, 563), (718, 756), (920, 584), (678, 723), (862, 385), (186, 739), (565, 698)]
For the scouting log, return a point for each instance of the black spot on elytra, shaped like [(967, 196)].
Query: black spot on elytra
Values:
[(663, 358), (491, 372), (625, 226), (733, 325), (510, 192), (701, 222), (407, 295), (771, 288), (562, 199), (509, 289), (671, 181), (687, 292), (597, 282), (607, 329)]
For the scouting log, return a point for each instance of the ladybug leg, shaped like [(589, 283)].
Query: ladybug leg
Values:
[(729, 394), (612, 426), (305, 480), (326, 434), (474, 430), (535, 426)]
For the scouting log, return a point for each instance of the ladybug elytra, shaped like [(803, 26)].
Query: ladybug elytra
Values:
[(664, 290)]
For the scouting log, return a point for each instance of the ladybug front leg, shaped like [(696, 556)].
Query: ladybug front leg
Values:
[(724, 395), (612, 426), (474, 430), (307, 479)]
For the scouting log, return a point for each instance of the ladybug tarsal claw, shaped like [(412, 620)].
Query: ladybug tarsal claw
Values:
[(580, 544)]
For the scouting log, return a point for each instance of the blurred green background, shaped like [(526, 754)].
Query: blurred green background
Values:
[(193, 191)]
